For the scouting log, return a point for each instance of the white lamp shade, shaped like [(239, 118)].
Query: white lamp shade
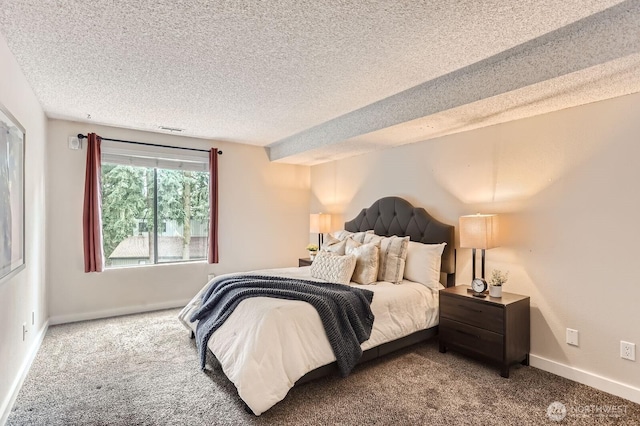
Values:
[(479, 231), (319, 223)]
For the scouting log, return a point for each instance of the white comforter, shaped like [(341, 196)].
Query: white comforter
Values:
[(267, 344)]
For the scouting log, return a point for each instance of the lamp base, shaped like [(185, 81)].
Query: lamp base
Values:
[(470, 290)]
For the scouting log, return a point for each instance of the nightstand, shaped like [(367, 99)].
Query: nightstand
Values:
[(491, 329), (304, 262)]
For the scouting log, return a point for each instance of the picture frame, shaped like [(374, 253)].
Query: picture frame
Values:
[(12, 176)]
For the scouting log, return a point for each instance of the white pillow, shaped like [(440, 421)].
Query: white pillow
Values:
[(367, 261), (393, 253), (333, 268), (333, 245), (423, 264)]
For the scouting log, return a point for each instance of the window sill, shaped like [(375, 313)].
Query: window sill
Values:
[(147, 265)]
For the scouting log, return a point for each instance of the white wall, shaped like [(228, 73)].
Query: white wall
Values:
[(566, 186), (263, 222), (25, 292)]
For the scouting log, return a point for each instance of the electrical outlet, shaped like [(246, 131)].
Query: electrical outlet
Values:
[(24, 331), (627, 350), (572, 337)]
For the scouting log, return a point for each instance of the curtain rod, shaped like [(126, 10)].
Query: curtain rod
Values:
[(81, 136)]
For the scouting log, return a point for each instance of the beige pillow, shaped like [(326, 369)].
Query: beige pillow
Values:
[(341, 235), (333, 268), (333, 245), (372, 238), (367, 260), (360, 236), (393, 253), (350, 243), (423, 264)]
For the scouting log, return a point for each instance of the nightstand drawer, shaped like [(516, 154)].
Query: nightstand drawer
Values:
[(475, 313), (472, 339)]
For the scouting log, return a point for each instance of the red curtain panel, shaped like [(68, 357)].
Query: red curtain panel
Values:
[(92, 215), (213, 206)]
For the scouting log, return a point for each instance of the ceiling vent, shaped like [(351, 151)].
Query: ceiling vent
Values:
[(171, 129)]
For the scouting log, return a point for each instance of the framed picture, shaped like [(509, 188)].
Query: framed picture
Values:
[(12, 139)]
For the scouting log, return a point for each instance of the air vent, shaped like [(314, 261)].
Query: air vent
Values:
[(171, 129)]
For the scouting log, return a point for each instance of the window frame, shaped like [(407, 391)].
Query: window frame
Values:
[(155, 158)]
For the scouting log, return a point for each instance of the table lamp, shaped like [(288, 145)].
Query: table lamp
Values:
[(319, 223), (478, 231)]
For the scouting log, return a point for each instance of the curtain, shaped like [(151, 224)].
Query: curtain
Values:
[(213, 206), (92, 215)]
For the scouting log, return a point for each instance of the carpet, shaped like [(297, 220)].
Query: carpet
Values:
[(143, 370)]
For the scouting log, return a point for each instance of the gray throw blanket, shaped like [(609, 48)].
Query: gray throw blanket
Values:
[(345, 311)]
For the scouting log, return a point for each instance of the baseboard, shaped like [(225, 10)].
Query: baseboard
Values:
[(128, 310), (586, 378), (7, 404)]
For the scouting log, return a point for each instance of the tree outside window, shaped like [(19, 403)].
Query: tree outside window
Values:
[(130, 209)]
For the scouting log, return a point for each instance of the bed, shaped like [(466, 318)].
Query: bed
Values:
[(268, 345)]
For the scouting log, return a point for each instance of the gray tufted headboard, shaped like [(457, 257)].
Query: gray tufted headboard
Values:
[(396, 216)]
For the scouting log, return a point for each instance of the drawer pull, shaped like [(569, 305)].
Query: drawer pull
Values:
[(470, 309), (467, 334)]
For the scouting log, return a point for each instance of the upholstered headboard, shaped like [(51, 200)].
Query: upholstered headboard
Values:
[(396, 216)]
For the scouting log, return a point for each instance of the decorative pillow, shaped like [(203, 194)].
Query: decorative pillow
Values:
[(333, 245), (393, 253), (423, 264), (341, 235), (333, 268), (367, 260), (372, 238), (350, 244), (360, 236), (330, 240)]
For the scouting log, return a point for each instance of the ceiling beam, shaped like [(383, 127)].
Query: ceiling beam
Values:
[(594, 40)]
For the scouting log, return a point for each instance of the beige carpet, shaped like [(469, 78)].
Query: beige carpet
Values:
[(143, 370)]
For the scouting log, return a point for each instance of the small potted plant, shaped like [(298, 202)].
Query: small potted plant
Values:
[(497, 279), (313, 250)]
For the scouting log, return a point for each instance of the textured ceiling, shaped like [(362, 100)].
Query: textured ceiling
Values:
[(319, 80)]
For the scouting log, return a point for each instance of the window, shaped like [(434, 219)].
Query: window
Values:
[(152, 199)]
